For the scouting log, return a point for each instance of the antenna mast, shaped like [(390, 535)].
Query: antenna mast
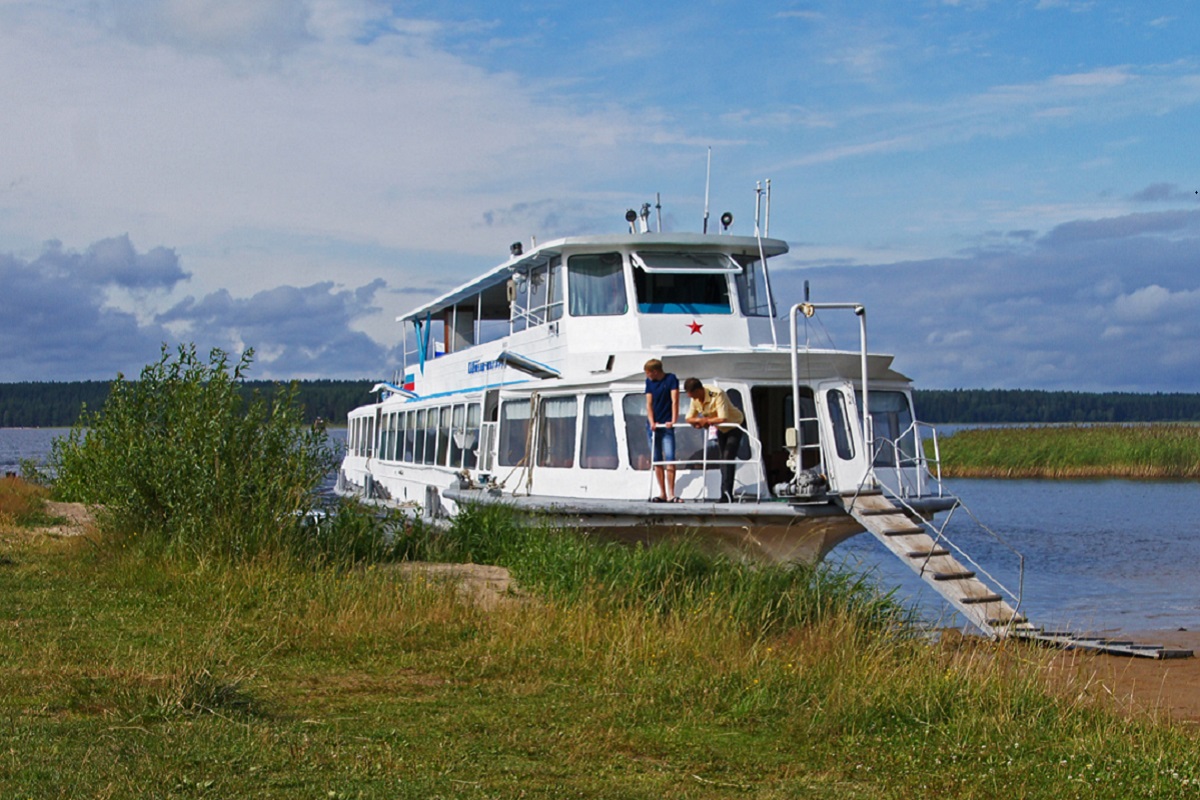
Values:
[(707, 178)]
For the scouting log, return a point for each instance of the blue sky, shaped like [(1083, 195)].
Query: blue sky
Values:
[(1011, 187)]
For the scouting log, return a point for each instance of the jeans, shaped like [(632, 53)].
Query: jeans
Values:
[(662, 444)]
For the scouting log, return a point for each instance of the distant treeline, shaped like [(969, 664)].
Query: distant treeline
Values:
[(45, 405), (57, 405), (1023, 405)]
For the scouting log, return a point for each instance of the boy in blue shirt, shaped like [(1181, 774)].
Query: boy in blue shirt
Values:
[(662, 409)]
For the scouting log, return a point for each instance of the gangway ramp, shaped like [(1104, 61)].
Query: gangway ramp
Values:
[(927, 552)]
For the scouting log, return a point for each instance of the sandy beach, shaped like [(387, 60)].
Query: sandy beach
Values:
[(1168, 687)]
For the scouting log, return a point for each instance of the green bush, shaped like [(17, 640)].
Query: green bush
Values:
[(179, 461)]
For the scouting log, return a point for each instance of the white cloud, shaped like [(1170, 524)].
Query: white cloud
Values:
[(1154, 304), (263, 29)]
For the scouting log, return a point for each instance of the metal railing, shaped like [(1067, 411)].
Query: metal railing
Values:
[(919, 462), (938, 532), (705, 462)]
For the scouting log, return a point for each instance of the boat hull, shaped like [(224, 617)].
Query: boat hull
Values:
[(775, 532)]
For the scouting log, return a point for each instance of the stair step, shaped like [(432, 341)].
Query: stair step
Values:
[(937, 551), (1019, 619), (881, 512), (987, 598), (908, 530), (953, 576)]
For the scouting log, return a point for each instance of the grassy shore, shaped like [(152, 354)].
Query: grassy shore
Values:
[(1074, 451), (127, 675)]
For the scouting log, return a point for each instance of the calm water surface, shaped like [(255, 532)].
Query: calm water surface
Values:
[(1099, 554)]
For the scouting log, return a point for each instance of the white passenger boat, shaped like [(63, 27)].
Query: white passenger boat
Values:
[(526, 386)]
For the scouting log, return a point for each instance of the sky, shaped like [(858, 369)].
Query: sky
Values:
[(1010, 186)]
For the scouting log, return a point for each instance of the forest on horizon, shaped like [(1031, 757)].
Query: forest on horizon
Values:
[(57, 404)]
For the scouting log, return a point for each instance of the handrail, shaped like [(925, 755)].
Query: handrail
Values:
[(941, 537), (902, 459), (860, 311), (755, 458)]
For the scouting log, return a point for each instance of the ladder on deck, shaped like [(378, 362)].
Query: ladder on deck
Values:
[(925, 550)]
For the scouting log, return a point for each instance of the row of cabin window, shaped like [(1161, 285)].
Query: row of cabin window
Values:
[(360, 436), (597, 289), (595, 429), (447, 436)]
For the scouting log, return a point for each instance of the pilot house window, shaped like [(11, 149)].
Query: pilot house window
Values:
[(596, 285), (682, 283)]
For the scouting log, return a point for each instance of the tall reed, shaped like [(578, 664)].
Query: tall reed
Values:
[(1075, 451)]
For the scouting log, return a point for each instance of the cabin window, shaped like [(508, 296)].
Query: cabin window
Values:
[(399, 443), (410, 435), (892, 428), (682, 283), (399, 455), (599, 448), (596, 285), (753, 292), (556, 441), (470, 437), (443, 444), (514, 431), (419, 439), (457, 421), (839, 420), (431, 426), (637, 441)]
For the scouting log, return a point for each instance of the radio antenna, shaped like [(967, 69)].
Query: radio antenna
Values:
[(707, 178)]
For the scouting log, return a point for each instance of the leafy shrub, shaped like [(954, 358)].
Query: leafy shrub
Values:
[(180, 461)]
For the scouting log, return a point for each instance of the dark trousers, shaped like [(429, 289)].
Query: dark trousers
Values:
[(728, 444)]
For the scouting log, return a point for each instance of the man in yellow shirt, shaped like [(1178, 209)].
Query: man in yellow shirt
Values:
[(711, 408)]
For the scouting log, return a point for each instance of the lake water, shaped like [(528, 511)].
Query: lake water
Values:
[(1100, 555)]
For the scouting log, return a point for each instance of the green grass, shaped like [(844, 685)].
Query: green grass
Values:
[(23, 504), (1070, 451), (123, 675)]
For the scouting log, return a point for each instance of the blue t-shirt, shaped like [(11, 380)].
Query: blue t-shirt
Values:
[(660, 391)]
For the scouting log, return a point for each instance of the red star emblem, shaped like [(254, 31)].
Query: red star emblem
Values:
[(695, 326)]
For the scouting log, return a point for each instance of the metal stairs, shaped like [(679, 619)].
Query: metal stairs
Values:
[(925, 549)]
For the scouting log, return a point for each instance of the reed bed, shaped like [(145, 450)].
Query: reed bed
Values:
[(1151, 451)]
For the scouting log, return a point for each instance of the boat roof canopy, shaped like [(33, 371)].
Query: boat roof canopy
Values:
[(491, 289)]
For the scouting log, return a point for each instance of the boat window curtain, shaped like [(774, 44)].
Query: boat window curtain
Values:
[(556, 442), (599, 450), (514, 427), (596, 285)]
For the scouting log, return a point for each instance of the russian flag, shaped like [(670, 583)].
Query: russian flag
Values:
[(410, 382)]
